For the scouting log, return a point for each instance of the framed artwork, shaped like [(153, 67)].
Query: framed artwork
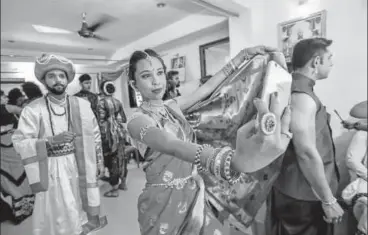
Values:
[(178, 63), (291, 32)]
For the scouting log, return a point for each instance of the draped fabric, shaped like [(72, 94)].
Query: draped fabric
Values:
[(14, 185), (180, 210), (216, 120)]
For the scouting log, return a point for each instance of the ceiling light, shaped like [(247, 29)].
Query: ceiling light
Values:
[(46, 29), (161, 4), (11, 41)]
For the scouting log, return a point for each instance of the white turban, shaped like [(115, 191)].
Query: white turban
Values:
[(48, 62)]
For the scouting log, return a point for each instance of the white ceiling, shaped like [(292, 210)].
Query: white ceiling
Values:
[(136, 19)]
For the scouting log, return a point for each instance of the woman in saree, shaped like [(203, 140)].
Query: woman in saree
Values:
[(17, 199), (173, 200)]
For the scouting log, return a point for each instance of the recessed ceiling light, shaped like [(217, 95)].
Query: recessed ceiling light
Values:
[(161, 4), (47, 29), (11, 41)]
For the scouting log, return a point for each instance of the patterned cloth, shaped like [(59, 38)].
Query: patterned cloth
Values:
[(181, 209), (14, 183), (111, 118)]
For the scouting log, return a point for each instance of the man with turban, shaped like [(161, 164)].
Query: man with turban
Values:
[(85, 82), (58, 139)]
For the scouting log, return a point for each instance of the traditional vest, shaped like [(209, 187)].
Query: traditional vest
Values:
[(291, 181)]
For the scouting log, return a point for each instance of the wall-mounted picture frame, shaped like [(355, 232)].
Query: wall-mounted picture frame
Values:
[(292, 31), (178, 63)]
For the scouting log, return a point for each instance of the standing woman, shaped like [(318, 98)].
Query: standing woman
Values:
[(17, 199), (111, 118), (173, 201)]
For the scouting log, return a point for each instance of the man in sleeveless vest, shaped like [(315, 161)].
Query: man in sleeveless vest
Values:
[(58, 139), (303, 199)]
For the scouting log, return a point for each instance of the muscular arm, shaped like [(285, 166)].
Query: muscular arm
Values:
[(304, 139), (355, 154)]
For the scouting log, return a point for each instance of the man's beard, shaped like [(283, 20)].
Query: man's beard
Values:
[(178, 84), (56, 91)]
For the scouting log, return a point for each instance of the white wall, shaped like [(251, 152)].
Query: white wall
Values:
[(346, 26), (190, 49)]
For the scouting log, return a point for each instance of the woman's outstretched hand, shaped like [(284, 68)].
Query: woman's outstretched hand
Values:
[(262, 140)]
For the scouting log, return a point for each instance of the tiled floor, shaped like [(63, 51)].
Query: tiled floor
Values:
[(122, 211)]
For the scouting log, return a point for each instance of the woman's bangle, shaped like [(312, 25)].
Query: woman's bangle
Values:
[(197, 158), (329, 203), (225, 172)]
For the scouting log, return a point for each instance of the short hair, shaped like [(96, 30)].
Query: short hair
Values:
[(171, 74), (306, 49), (13, 95), (31, 90), (84, 77)]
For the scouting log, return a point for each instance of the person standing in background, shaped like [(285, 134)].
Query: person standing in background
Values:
[(85, 82), (111, 117), (304, 195), (174, 76)]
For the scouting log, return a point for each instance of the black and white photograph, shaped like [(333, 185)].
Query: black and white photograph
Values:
[(183, 117)]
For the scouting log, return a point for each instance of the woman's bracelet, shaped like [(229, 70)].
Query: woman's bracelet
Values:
[(330, 202), (226, 162), (197, 158), (218, 163)]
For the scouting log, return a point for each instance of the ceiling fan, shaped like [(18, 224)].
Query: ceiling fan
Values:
[(88, 31)]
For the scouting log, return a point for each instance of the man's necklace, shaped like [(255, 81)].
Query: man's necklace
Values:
[(50, 109)]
